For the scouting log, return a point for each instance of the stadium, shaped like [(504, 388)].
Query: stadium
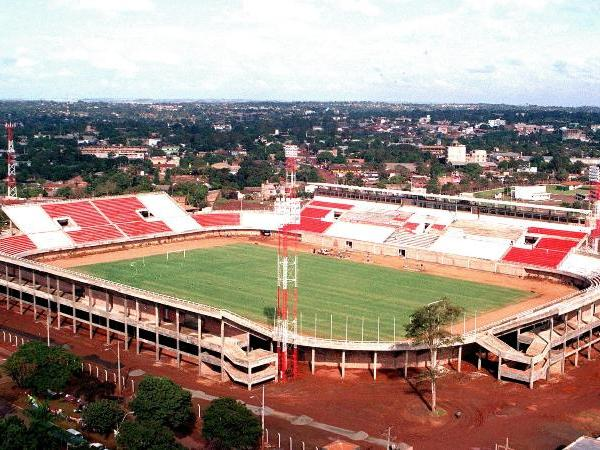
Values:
[(201, 287)]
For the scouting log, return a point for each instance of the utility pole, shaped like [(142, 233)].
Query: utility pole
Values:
[(262, 413), (120, 387), (48, 325)]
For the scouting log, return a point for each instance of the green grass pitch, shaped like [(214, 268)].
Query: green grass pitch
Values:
[(242, 278)]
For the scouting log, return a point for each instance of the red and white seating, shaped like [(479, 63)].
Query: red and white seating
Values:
[(15, 245), (85, 222), (217, 219), (124, 213)]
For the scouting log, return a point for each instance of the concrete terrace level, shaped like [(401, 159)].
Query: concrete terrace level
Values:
[(242, 349)]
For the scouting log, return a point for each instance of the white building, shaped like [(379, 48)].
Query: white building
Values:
[(496, 123), (153, 142), (594, 174), (457, 154), (531, 193), (477, 157)]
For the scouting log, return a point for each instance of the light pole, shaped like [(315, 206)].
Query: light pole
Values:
[(119, 386), (48, 326)]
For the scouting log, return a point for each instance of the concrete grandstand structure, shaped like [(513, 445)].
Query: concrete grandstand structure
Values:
[(501, 237)]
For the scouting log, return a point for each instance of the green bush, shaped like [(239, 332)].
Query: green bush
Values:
[(38, 367), (159, 399), (228, 424), (146, 436), (102, 416)]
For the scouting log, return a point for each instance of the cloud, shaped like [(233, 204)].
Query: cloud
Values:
[(493, 50), (488, 68), (106, 6)]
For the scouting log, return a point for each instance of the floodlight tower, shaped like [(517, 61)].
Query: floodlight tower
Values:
[(288, 206), (11, 178)]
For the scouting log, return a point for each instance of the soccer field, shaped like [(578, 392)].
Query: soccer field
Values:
[(332, 292)]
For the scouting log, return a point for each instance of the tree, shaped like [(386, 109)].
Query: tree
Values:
[(427, 326), (38, 367), (14, 434), (102, 416), (325, 156), (146, 436), (228, 424), (42, 430), (161, 400)]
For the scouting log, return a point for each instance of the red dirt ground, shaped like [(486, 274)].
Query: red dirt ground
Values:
[(550, 415)]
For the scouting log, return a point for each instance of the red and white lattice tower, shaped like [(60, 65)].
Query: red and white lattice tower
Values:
[(286, 326), (11, 178)]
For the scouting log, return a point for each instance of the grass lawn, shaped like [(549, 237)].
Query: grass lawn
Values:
[(242, 278), (489, 194)]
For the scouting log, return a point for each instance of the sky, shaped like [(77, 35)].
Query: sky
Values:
[(544, 52)]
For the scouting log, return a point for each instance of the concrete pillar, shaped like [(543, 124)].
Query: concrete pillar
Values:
[(91, 323), (459, 358), (343, 363), (57, 295), (577, 353), (7, 289), (374, 366), (34, 296), (156, 324), (137, 326), (74, 315), (405, 364), (312, 361), (499, 367), (20, 292), (126, 306), (589, 349), (222, 350), (248, 345), (249, 377), (178, 354), (564, 355), (199, 345), (531, 374), (479, 360), (107, 301)]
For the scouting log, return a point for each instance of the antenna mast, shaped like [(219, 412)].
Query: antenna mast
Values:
[(287, 269), (11, 178)]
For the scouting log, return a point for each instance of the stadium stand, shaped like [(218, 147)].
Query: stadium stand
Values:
[(308, 225), (456, 242), (83, 222), (554, 232), (359, 231), (559, 245), (535, 257), (405, 239), (581, 264), (314, 213), (125, 213), (217, 219), (331, 205), (163, 208), (15, 245)]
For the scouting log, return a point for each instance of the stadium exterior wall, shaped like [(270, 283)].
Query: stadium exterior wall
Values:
[(171, 325)]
